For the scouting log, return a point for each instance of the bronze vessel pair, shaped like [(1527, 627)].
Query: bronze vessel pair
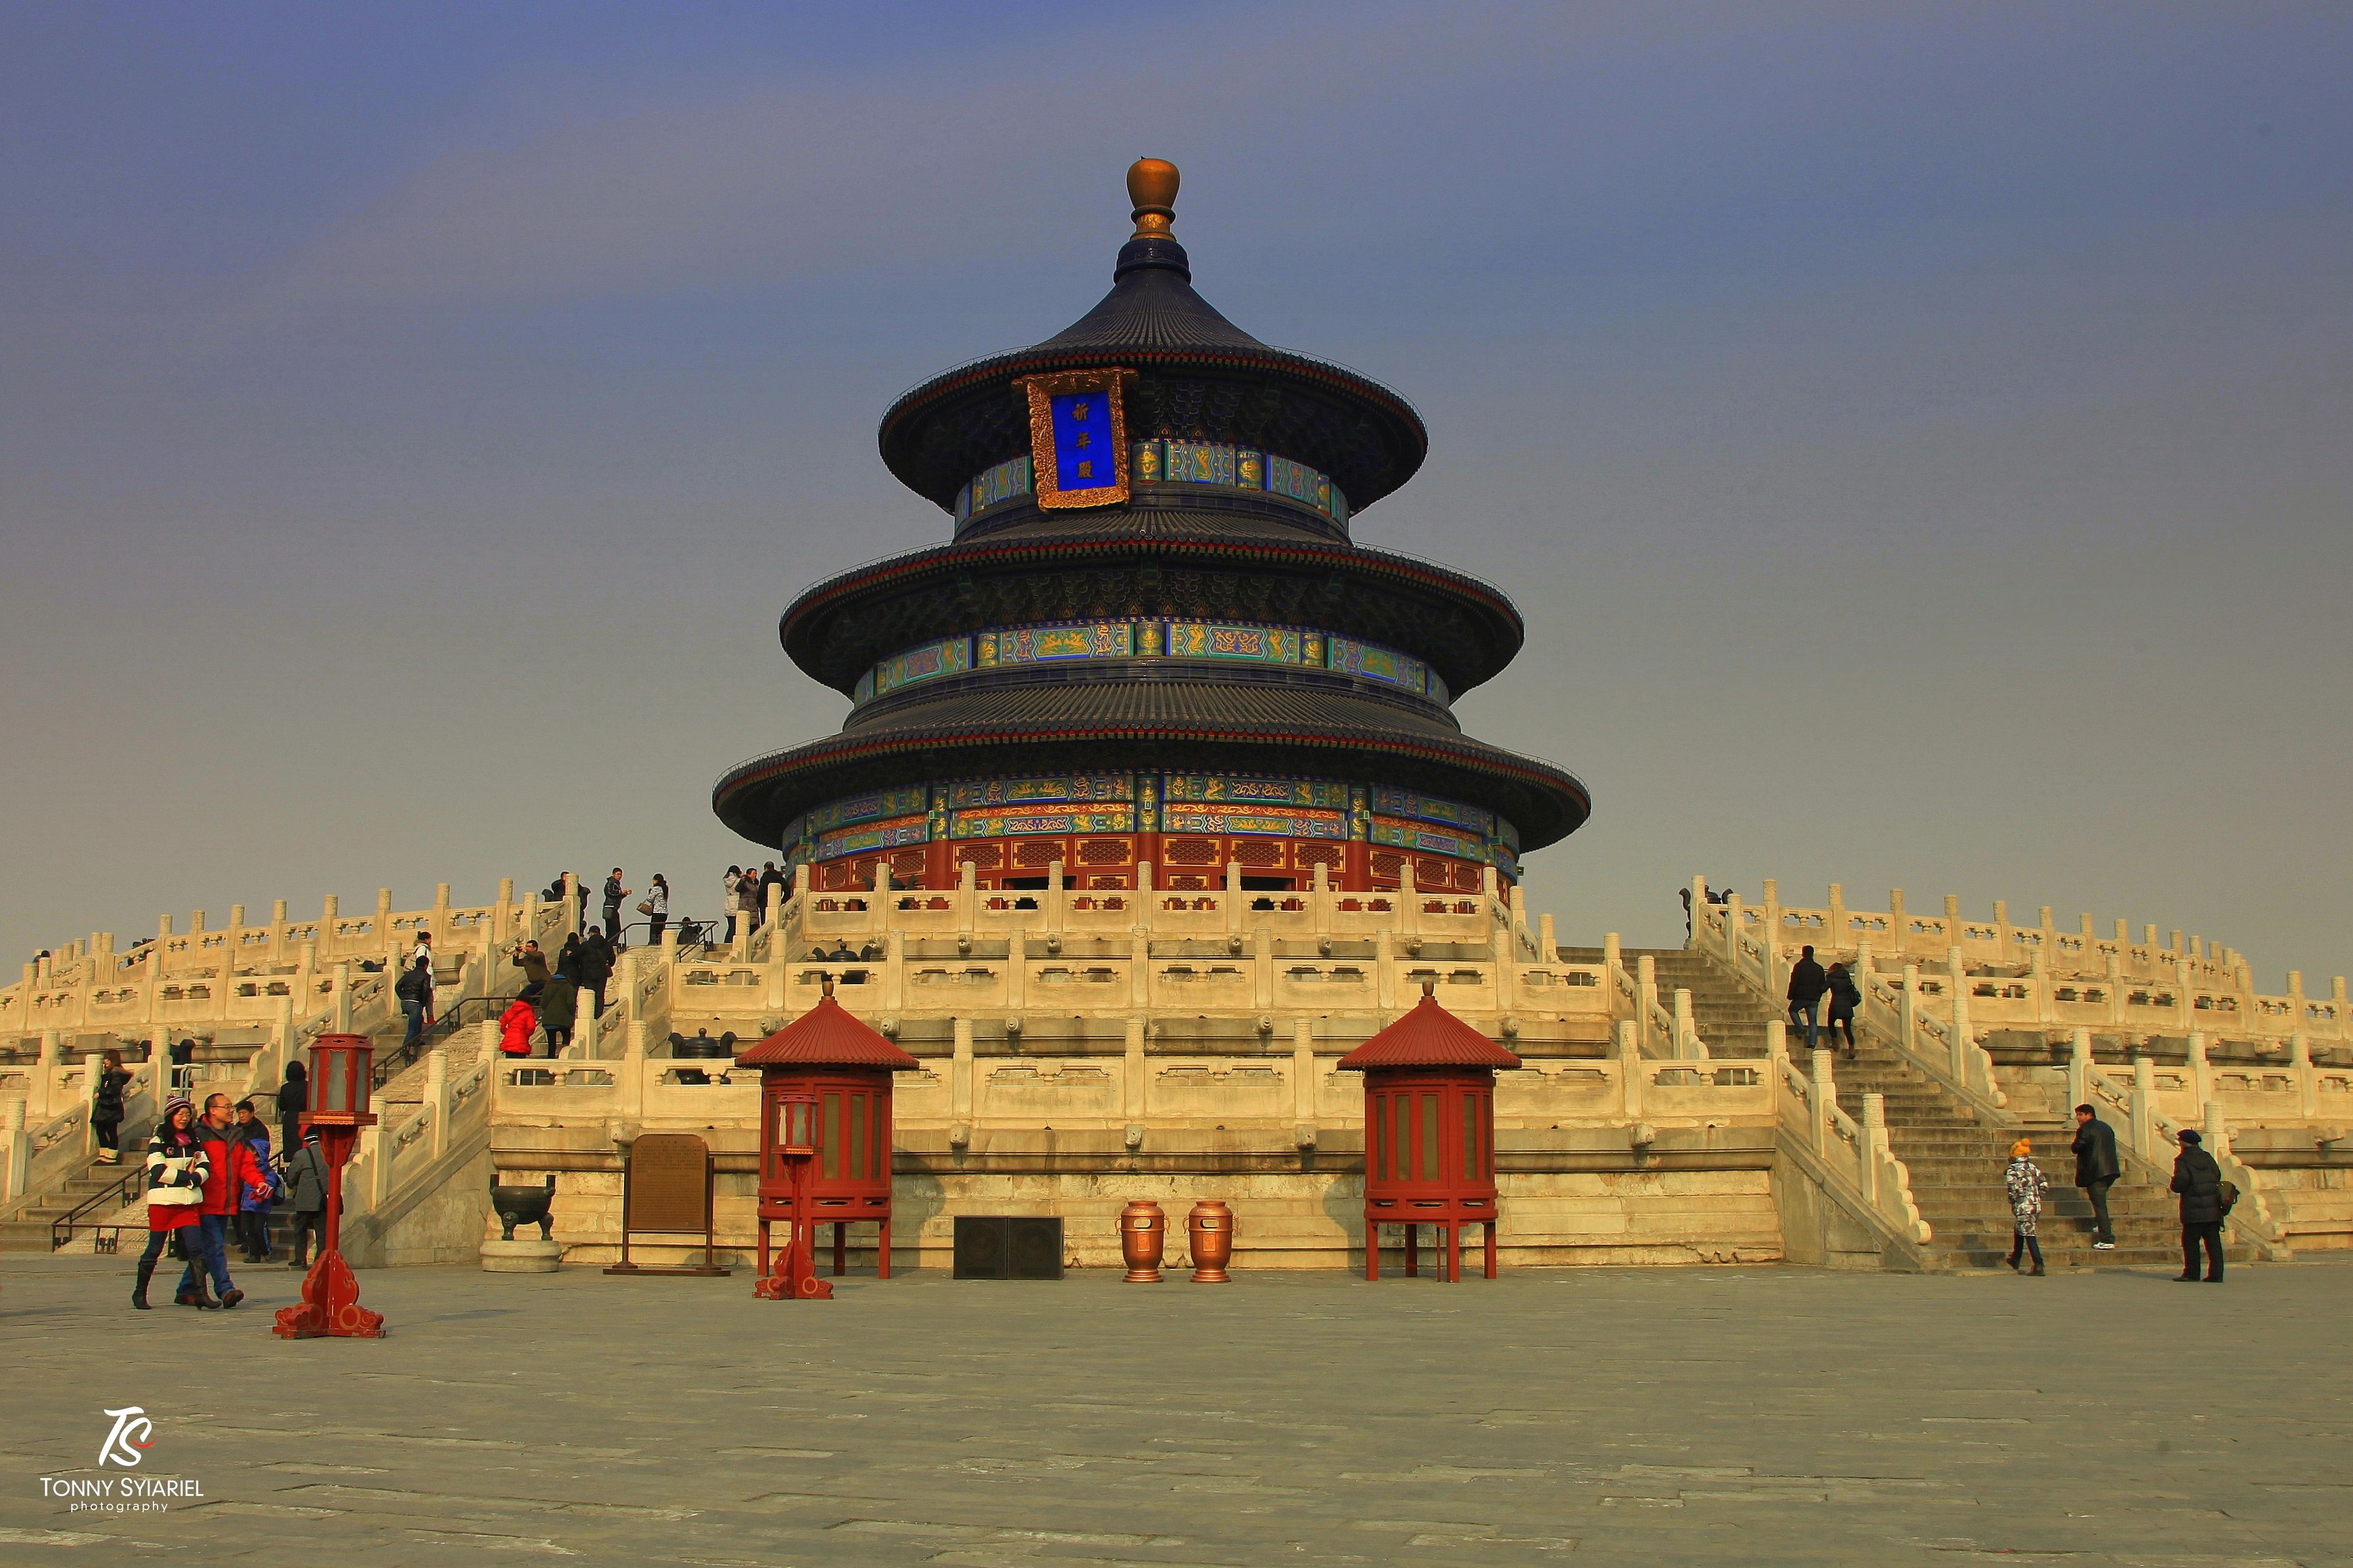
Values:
[(1144, 1241)]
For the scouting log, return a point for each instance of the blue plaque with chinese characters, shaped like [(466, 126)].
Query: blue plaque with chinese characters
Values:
[(1078, 437), (1082, 440)]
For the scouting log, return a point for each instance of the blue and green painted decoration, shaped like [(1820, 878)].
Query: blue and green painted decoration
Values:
[(1160, 462), (1151, 639)]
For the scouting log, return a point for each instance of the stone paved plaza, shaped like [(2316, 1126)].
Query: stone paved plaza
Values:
[(1764, 1414)]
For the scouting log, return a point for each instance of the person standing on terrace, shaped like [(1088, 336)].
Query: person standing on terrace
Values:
[(613, 894)]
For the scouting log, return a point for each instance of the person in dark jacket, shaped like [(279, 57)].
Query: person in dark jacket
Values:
[(414, 991), (593, 967), (306, 1185), (2097, 1170), (106, 1108), (294, 1099), (1807, 983), (2199, 1180), (1845, 997), (613, 894)]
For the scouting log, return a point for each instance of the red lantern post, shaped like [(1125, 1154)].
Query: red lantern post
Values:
[(825, 1142), (791, 1148), (1429, 1132), (342, 1079)]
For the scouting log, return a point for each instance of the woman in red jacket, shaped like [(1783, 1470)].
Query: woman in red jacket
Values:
[(517, 1021), (176, 1168)]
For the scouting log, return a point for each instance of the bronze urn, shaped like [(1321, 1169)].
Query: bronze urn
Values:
[(1143, 1240), (1210, 1229)]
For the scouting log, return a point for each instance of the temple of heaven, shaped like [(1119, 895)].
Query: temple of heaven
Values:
[(1151, 640)]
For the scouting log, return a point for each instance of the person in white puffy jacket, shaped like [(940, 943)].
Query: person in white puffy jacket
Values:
[(176, 1168)]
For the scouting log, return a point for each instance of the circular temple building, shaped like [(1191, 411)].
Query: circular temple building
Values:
[(1152, 641)]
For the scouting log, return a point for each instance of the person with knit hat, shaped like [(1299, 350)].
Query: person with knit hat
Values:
[(2026, 1185), (177, 1164)]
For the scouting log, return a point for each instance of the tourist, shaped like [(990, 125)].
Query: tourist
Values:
[(2199, 1179), (423, 951), (2097, 1170), (559, 998), (106, 1108), (414, 991), (771, 877), (176, 1167), (2026, 1185), (184, 1069), (747, 901), (593, 969), (1845, 998), (229, 1172), (294, 1099), (306, 1184), (656, 909), (613, 894), (517, 1021), (255, 1203), (729, 886), (1807, 983), (532, 962)]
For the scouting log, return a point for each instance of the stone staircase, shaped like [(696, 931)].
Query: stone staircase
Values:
[(28, 1230), (1956, 1160)]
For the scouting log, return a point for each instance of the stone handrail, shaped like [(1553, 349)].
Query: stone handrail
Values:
[(1862, 1167), (2040, 974), (232, 975), (1943, 1050)]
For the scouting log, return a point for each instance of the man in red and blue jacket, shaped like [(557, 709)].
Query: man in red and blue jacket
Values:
[(231, 1173)]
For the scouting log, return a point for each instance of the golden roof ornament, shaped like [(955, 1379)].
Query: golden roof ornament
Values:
[(1151, 191)]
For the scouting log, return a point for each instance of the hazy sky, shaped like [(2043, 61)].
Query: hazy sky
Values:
[(1917, 436)]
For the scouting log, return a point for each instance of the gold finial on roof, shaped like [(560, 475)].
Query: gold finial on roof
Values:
[(1430, 989), (1151, 191)]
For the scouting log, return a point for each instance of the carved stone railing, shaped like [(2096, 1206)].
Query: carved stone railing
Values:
[(2043, 976)]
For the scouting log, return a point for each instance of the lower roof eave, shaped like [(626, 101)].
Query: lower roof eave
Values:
[(757, 798)]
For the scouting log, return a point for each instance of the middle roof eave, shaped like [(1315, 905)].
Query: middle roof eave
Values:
[(825, 633)]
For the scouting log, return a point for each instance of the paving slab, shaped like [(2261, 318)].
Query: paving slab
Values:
[(1753, 1416)]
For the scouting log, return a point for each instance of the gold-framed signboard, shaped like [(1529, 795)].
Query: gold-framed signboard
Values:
[(666, 1186), (1078, 436)]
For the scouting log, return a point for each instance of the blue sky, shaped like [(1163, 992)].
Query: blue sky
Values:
[(1913, 435)]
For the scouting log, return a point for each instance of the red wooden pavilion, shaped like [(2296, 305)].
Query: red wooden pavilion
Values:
[(846, 1066), (1430, 1131)]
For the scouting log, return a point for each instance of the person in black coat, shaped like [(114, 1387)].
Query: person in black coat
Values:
[(1807, 983), (2097, 1170), (294, 1099), (594, 966), (2199, 1180)]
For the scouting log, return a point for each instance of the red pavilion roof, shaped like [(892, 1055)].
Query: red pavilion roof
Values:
[(827, 1036), (1428, 1036)]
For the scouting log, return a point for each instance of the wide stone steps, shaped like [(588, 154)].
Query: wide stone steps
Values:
[(28, 1229)]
